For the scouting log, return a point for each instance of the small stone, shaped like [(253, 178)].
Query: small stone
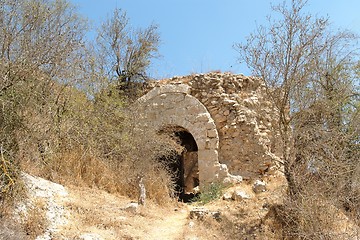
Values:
[(198, 213), (230, 102), (235, 134), (220, 118), (216, 215), (191, 224), (227, 181), (259, 186), (132, 207), (239, 195), (227, 196)]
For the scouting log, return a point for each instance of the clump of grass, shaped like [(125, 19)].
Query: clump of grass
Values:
[(209, 193)]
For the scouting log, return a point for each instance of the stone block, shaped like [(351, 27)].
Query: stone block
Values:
[(208, 157), (212, 143), (210, 125), (220, 118), (212, 133), (201, 143), (171, 88), (174, 98), (193, 110), (203, 117)]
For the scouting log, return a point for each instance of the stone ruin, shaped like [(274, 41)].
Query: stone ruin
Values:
[(226, 123)]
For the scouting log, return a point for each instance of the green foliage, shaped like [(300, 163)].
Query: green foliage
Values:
[(209, 193), (125, 53)]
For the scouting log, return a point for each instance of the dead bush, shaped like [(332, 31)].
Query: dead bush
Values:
[(312, 217)]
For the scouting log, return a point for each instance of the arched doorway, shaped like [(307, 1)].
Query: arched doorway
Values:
[(184, 164), (172, 105)]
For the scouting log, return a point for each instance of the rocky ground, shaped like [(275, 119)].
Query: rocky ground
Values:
[(55, 212), (243, 211)]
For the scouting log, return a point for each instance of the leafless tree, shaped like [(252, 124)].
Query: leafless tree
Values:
[(41, 47), (310, 73)]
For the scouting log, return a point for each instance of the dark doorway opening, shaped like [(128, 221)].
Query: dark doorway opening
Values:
[(184, 165)]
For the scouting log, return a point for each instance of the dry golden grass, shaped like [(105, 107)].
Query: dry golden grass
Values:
[(36, 221), (72, 168), (105, 215)]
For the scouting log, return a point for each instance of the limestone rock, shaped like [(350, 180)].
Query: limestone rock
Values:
[(259, 186), (191, 224), (198, 213), (201, 213), (227, 196), (232, 179), (132, 207), (239, 195), (50, 193)]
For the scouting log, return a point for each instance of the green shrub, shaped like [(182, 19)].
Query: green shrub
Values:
[(209, 193)]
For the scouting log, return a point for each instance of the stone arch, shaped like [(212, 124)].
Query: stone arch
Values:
[(172, 104)]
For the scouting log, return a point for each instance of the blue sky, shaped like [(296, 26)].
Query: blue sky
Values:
[(198, 35)]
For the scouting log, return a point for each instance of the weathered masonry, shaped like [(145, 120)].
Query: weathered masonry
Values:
[(230, 118)]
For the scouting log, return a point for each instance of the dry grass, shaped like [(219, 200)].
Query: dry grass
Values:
[(105, 215), (244, 219), (312, 217), (36, 221), (75, 167), (135, 154)]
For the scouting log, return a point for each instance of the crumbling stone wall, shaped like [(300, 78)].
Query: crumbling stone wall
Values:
[(172, 105), (242, 119)]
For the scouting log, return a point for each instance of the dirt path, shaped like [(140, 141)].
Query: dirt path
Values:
[(84, 213), (170, 227), (97, 214)]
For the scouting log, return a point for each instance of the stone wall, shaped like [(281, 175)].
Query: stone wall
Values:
[(172, 105), (244, 117)]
